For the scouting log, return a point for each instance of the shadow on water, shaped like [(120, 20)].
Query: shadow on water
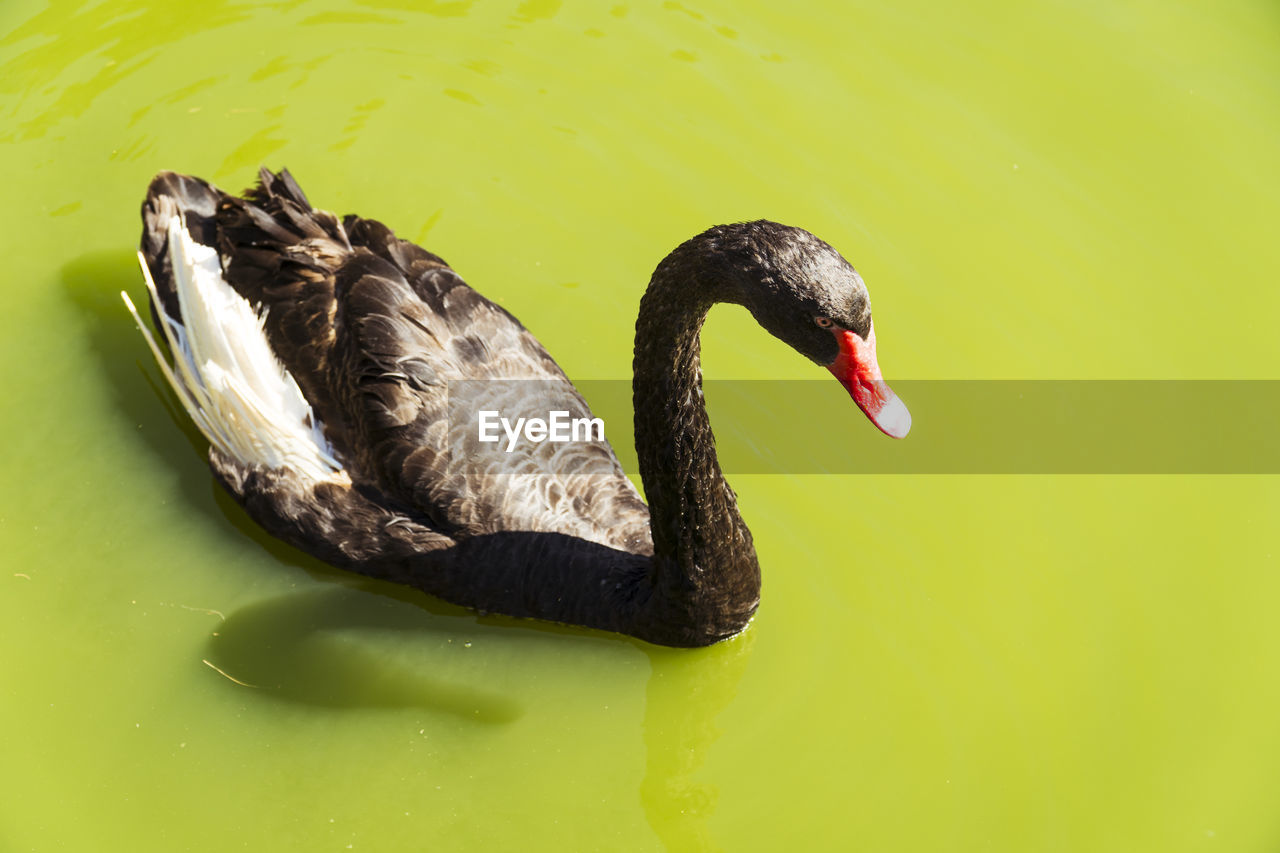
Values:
[(93, 282), (308, 647)]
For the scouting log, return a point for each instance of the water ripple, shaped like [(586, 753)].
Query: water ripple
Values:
[(70, 42)]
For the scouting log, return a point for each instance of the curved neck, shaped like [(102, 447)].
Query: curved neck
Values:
[(704, 570)]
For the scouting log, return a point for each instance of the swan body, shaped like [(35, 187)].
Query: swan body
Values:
[(337, 372)]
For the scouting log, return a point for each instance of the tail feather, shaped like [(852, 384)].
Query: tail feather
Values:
[(274, 185), (280, 249)]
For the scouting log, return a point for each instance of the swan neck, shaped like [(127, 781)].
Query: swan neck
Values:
[(704, 561)]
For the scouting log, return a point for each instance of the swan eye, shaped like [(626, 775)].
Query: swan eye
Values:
[(824, 322)]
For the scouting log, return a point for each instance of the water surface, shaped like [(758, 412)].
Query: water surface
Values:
[(1032, 191)]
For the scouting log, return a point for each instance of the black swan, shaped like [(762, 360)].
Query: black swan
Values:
[(325, 359)]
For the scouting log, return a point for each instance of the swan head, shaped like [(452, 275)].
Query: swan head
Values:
[(807, 295)]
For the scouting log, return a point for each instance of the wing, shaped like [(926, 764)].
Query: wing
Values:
[(266, 444), (418, 355), (397, 356)]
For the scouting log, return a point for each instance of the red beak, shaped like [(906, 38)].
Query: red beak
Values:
[(859, 373)]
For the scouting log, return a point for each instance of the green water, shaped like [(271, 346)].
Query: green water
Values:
[(1032, 190)]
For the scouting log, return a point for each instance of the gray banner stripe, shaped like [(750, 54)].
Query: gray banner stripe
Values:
[(960, 427)]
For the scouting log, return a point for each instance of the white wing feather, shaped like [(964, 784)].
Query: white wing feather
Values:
[(224, 372)]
